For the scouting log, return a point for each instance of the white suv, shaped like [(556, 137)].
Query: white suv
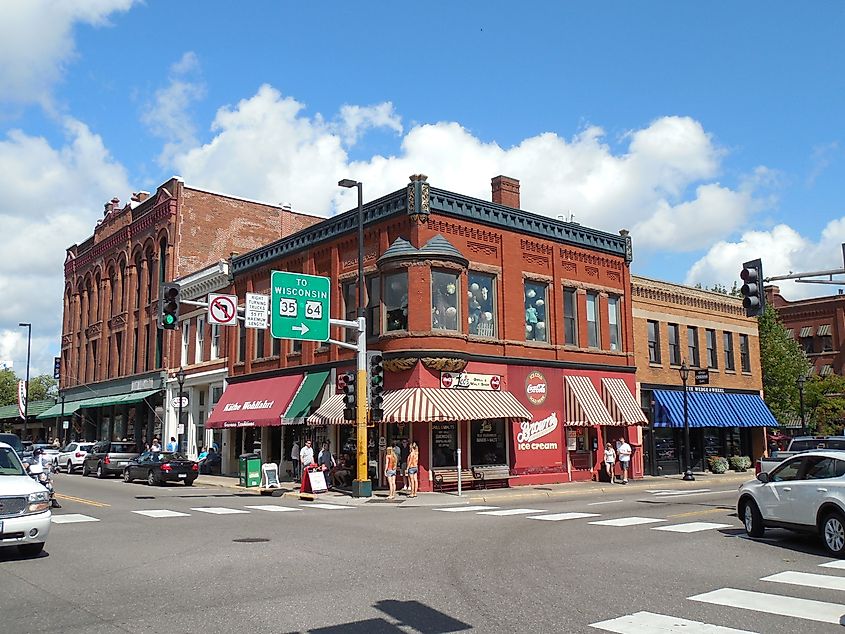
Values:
[(24, 506), (70, 458), (804, 493)]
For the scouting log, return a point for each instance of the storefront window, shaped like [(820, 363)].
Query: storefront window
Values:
[(444, 300), (664, 444), (487, 442), (444, 444), (482, 304), (396, 301), (535, 311)]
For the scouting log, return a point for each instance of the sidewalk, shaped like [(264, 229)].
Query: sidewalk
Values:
[(290, 489)]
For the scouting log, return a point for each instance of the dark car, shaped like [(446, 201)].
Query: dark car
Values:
[(108, 457), (158, 467)]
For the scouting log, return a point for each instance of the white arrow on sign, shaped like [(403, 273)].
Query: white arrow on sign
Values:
[(302, 328)]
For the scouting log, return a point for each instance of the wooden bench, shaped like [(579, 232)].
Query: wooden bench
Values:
[(494, 475), (448, 478)]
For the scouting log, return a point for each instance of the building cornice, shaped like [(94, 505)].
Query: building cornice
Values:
[(679, 295)]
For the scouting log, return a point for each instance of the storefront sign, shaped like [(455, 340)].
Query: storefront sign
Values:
[(444, 443), (536, 387), (702, 377), (248, 405), (240, 423), (571, 439), (469, 381), (531, 433)]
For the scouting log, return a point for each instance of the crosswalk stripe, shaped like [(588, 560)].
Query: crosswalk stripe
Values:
[(628, 521), (512, 512), (652, 623), (73, 518), (272, 508), (807, 579), (328, 507), (839, 564), (819, 611), (159, 513), (466, 509), (218, 510), (690, 527), (557, 517)]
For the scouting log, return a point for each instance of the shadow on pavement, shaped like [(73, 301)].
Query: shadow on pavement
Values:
[(409, 614), (783, 539)]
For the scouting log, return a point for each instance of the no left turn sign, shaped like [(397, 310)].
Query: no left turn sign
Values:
[(222, 309)]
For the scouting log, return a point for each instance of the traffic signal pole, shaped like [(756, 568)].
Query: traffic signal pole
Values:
[(362, 486)]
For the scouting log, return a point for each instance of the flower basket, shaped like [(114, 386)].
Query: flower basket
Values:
[(740, 463), (717, 464)]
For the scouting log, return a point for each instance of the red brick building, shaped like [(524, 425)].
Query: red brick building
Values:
[(505, 334), (114, 359)]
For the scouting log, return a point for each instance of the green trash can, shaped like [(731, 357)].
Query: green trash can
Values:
[(249, 470)]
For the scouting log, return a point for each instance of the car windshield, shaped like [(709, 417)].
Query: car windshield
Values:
[(9, 463), (123, 447)]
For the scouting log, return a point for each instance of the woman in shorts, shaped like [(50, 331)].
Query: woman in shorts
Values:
[(609, 461), (414, 469), (390, 471)]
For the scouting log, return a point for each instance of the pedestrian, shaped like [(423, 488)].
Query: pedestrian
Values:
[(390, 462), (609, 461), (172, 446), (56, 444), (623, 450), (404, 451), (327, 463), (294, 458), (414, 468), (156, 446), (306, 454)]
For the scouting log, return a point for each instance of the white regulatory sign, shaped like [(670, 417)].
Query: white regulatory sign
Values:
[(222, 309), (255, 313)]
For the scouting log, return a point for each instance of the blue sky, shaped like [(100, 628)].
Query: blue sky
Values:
[(711, 130)]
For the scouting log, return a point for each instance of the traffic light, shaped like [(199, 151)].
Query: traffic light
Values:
[(350, 397), (168, 306), (753, 297), (376, 388)]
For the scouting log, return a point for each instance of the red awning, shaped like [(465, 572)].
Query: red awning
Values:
[(254, 403)]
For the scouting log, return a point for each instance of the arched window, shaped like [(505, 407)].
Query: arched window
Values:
[(162, 260), (114, 294), (138, 269)]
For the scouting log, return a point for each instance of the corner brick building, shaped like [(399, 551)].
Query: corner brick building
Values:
[(114, 359)]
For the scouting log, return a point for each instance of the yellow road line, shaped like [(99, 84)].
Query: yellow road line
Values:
[(690, 513), (71, 498)]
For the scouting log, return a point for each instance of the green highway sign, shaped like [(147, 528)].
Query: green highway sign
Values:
[(299, 306)]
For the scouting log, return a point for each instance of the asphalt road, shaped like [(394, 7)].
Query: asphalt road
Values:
[(389, 568)]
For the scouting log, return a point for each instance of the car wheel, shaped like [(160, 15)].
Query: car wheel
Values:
[(151, 479), (752, 520), (833, 534), (100, 473), (126, 477), (31, 549), (85, 470), (69, 468)]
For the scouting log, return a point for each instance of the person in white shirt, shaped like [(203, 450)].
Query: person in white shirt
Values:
[(609, 460), (306, 455), (623, 450)]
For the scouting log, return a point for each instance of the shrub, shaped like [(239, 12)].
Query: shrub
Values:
[(717, 464), (740, 463)]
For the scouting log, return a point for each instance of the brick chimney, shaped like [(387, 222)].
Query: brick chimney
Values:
[(505, 191)]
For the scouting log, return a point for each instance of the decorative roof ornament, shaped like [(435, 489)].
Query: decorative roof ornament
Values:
[(419, 202)]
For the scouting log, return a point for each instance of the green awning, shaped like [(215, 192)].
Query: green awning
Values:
[(56, 410), (9, 412), (304, 398), (101, 401)]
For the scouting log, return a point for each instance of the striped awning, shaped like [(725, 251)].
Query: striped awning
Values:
[(806, 331), (426, 404), (330, 412), (620, 402), (790, 332), (826, 369), (583, 406), (824, 331)]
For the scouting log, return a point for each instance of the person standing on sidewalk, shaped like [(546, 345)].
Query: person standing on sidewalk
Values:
[(609, 461), (623, 450), (306, 455), (327, 463), (294, 458), (414, 469), (390, 464)]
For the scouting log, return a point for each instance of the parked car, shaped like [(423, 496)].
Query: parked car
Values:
[(25, 515), (108, 457), (48, 449), (797, 445), (158, 467), (70, 458), (14, 441), (805, 493)]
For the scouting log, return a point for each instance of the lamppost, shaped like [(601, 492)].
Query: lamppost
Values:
[(362, 486), (180, 379), (684, 372), (26, 400), (800, 382)]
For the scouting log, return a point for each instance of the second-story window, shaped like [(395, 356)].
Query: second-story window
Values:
[(373, 305), (200, 340), (570, 316), (396, 301), (241, 343), (186, 339), (215, 341), (260, 337), (275, 347), (482, 304), (712, 360), (593, 330), (674, 344), (653, 342), (535, 311), (744, 353), (692, 346), (444, 300), (613, 319), (350, 308), (730, 364)]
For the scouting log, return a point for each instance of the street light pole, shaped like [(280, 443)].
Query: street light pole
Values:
[(180, 379), (26, 400), (684, 372), (800, 381)]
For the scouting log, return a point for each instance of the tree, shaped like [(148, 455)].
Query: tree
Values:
[(721, 288), (824, 404), (8, 387), (783, 361), (40, 386)]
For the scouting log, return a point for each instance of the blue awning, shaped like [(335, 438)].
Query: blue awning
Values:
[(710, 409)]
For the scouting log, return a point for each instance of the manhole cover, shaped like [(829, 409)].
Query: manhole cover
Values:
[(251, 540)]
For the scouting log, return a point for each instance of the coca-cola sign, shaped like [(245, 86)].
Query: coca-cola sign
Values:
[(536, 387)]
